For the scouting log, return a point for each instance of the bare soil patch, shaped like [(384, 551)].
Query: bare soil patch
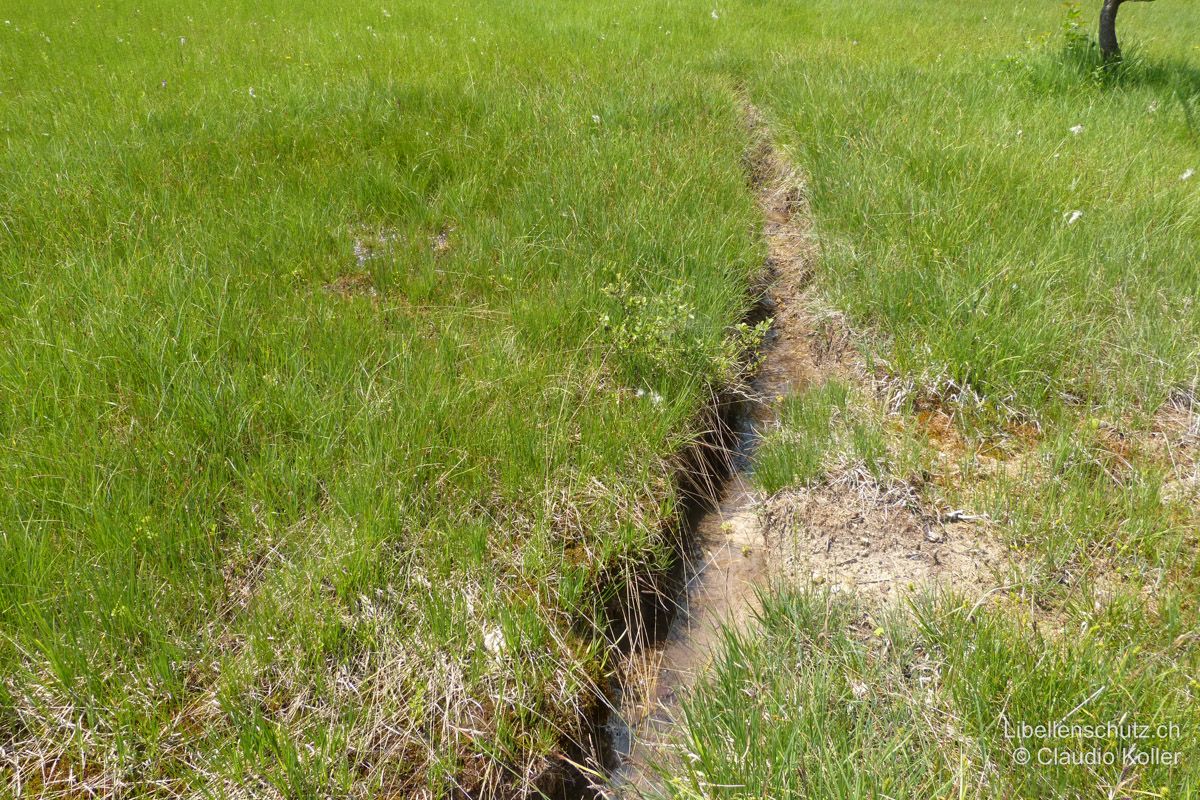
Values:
[(874, 540)]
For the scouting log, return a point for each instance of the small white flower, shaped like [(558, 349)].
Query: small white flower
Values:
[(715, 15), (1020, 132), (252, 94), (493, 640), (1077, 129), (1072, 216), (596, 118), (183, 40), (656, 398), (1187, 174)]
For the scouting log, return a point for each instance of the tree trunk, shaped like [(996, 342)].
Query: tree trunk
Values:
[(1110, 50)]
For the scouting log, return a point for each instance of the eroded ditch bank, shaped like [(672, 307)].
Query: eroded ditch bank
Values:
[(668, 626), (726, 562), (651, 611)]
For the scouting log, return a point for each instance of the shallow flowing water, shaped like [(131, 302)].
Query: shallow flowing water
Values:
[(724, 566)]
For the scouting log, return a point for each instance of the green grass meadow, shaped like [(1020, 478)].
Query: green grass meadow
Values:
[(346, 348)]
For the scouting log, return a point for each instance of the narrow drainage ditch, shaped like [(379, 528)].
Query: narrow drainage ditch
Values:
[(721, 568), (670, 625), (671, 629)]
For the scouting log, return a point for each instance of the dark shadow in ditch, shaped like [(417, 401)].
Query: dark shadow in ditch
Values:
[(643, 615)]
